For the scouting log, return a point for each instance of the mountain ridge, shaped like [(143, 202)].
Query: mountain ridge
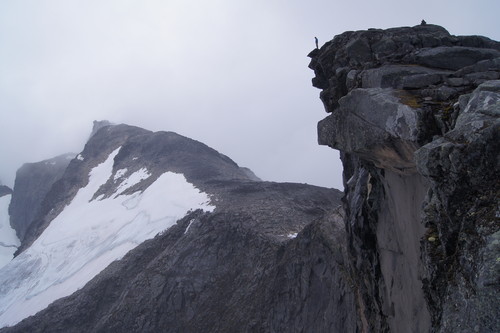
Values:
[(265, 216)]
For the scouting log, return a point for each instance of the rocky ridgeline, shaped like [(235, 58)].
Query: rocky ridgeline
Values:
[(415, 112)]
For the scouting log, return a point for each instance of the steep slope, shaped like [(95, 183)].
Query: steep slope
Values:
[(8, 239), (414, 113), (216, 270)]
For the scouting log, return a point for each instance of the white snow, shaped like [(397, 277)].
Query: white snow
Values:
[(79, 157), (88, 235), (133, 179), (119, 174), (8, 238), (189, 226), (292, 235)]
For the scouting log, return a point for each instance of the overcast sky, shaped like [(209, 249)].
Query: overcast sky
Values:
[(230, 73)]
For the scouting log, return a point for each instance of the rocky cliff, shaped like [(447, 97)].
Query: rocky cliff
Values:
[(415, 112)]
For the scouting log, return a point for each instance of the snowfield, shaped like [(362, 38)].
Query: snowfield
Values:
[(90, 234), (8, 238)]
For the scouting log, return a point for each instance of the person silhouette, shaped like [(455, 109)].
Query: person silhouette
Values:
[(423, 22), (316, 41)]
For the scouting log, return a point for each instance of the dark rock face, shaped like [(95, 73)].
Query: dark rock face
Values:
[(33, 181), (271, 257), (415, 114)]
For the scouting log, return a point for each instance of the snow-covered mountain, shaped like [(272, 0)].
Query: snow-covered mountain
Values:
[(129, 185)]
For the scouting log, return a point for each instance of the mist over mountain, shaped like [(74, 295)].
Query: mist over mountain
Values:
[(151, 231)]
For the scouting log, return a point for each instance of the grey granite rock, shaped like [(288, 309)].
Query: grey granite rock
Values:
[(389, 128), (453, 57), (417, 125)]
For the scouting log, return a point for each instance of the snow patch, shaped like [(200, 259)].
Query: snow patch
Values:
[(79, 157), (119, 174), (292, 235), (133, 179), (88, 235), (189, 226)]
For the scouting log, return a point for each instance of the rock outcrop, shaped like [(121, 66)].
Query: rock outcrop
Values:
[(415, 112)]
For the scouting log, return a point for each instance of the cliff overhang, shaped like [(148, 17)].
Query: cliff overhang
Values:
[(414, 112)]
